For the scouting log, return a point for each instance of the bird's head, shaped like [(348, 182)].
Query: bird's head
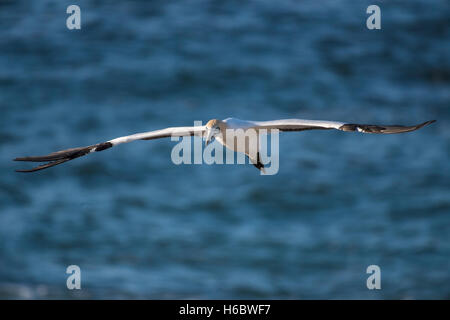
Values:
[(214, 128)]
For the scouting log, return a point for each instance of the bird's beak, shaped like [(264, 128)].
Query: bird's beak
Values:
[(209, 135)]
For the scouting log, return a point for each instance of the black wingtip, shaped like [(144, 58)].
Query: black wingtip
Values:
[(24, 170), (425, 124), (55, 158), (44, 166), (62, 156)]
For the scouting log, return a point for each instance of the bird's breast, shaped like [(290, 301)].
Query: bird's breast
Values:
[(239, 140)]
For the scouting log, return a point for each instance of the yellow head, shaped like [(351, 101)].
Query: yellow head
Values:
[(212, 123), (213, 127)]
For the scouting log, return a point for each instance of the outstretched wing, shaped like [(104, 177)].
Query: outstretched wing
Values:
[(300, 125), (62, 156)]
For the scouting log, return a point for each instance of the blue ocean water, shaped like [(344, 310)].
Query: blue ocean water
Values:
[(141, 227)]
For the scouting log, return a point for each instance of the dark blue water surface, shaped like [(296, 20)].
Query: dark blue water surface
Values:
[(141, 227)]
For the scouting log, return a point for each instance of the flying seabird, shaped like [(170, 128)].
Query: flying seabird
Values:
[(218, 129)]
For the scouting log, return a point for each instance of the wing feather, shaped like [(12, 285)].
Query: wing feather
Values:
[(62, 156), (369, 128), (300, 125)]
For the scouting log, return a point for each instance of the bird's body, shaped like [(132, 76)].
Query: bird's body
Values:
[(235, 134), (238, 136)]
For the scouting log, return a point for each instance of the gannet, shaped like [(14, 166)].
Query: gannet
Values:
[(219, 130)]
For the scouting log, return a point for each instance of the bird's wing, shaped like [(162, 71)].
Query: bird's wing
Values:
[(300, 125), (62, 156)]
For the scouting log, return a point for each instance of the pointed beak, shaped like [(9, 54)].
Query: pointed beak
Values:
[(209, 135)]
